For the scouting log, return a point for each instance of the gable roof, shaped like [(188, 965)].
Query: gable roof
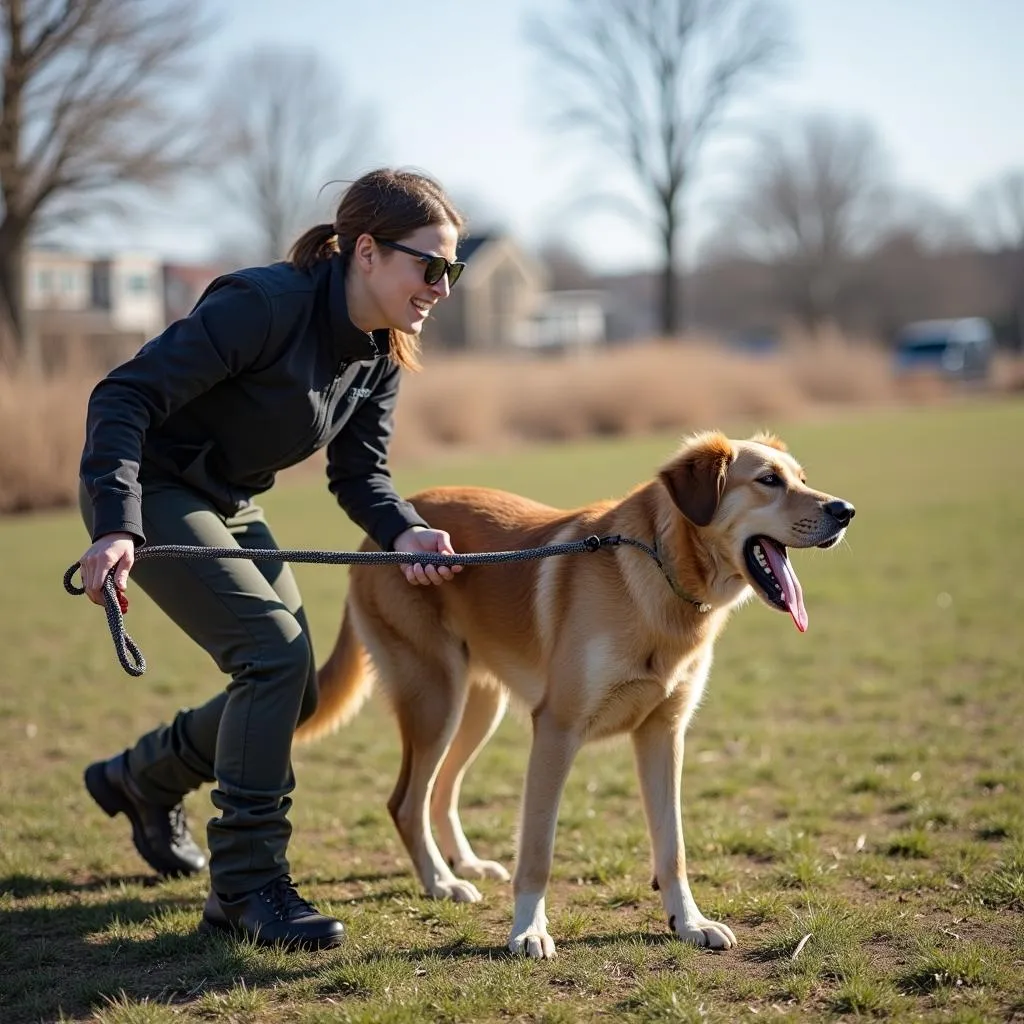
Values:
[(471, 244)]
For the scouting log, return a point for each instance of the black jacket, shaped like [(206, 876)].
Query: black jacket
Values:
[(267, 369)]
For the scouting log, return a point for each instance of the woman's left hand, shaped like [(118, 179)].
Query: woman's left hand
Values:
[(420, 539)]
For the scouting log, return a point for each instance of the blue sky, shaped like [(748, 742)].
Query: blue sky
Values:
[(457, 91)]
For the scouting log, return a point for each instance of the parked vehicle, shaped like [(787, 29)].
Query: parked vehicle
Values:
[(955, 349)]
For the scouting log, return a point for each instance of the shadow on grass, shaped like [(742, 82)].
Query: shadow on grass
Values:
[(469, 950), (363, 876), (402, 882), (23, 886), (75, 957), (68, 958), (379, 897)]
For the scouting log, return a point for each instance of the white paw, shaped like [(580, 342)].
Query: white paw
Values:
[(534, 943), (705, 933), (456, 890), (476, 868)]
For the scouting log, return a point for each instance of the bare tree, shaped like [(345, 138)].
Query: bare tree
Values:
[(651, 80), (934, 227), (814, 199), (286, 132), (88, 110), (999, 209)]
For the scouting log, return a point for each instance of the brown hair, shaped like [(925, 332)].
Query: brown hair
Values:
[(388, 204)]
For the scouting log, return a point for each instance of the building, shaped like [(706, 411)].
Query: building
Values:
[(568, 320), (492, 306), (184, 283), (501, 304), (102, 309), (130, 288), (57, 280), (96, 309)]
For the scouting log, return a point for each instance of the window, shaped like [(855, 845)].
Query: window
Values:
[(137, 284), (44, 281)]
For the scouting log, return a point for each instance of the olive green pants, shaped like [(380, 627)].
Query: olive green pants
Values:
[(248, 617)]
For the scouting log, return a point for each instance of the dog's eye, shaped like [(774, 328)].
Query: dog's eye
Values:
[(770, 480)]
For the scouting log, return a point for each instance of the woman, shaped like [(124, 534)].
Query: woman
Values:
[(272, 364)]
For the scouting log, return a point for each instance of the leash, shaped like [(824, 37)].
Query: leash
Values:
[(131, 657)]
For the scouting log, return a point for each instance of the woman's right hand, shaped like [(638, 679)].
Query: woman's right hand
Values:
[(111, 551)]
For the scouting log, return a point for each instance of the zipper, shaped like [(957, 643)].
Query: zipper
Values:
[(329, 398), (304, 450)]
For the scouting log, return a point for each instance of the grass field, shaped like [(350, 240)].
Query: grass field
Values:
[(862, 784)]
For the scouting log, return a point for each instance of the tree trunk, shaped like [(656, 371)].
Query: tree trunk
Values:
[(669, 298), (12, 299), (1018, 286)]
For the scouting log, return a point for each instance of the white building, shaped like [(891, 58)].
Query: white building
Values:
[(55, 279), (101, 309), (130, 287), (567, 320)]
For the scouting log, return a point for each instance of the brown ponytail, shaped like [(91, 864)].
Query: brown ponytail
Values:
[(316, 244)]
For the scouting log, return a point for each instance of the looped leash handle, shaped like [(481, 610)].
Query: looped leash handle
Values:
[(128, 653), (127, 650), (69, 581)]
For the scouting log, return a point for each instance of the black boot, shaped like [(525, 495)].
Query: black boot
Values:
[(160, 833), (275, 914)]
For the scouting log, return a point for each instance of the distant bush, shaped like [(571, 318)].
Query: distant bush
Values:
[(486, 403)]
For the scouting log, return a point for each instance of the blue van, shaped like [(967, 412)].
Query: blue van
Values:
[(955, 349)]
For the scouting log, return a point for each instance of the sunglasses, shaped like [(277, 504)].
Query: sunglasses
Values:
[(434, 267)]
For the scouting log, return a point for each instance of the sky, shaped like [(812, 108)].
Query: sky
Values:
[(457, 90)]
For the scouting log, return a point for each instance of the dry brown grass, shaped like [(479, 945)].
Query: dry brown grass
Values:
[(1008, 373), (491, 403), (42, 427)]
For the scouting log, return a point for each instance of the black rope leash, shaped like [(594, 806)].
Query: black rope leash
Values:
[(133, 662)]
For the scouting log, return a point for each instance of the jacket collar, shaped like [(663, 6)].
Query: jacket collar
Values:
[(352, 344)]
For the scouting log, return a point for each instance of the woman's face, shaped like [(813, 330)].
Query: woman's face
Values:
[(394, 280)]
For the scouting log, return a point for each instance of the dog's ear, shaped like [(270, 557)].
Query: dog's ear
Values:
[(771, 440), (695, 478)]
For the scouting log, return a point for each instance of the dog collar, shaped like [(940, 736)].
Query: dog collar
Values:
[(702, 606)]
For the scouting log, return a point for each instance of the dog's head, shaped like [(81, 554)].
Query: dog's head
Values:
[(750, 502)]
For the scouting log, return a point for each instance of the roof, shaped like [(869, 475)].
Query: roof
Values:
[(471, 244)]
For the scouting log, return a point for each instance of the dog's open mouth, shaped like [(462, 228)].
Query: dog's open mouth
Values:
[(771, 571)]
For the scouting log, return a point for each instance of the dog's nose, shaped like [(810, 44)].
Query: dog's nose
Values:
[(841, 511)]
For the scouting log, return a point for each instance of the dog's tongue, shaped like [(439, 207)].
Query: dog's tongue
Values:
[(792, 592)]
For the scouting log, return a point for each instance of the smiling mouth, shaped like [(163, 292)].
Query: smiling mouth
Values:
[(774, 578)]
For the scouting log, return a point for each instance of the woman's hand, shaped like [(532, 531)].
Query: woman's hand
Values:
[(420, 539), (110, 551)]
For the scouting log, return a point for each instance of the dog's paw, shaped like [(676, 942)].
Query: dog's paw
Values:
[(534, 943), (704, 933), (477, 868), (456, 890)]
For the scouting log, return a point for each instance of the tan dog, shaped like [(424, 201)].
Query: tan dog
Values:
[(594, 645)]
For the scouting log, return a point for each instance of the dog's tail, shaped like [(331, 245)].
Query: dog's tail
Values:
[(344, 682)]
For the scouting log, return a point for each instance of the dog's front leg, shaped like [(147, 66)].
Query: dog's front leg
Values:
[(658, 745), (551, 757)]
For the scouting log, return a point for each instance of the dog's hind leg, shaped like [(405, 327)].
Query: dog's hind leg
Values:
[(429, 713), (484, 708)]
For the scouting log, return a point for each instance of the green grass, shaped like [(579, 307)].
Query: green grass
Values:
[(862, 784)]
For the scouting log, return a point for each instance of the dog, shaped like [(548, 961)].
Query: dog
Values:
[(594, 645)]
